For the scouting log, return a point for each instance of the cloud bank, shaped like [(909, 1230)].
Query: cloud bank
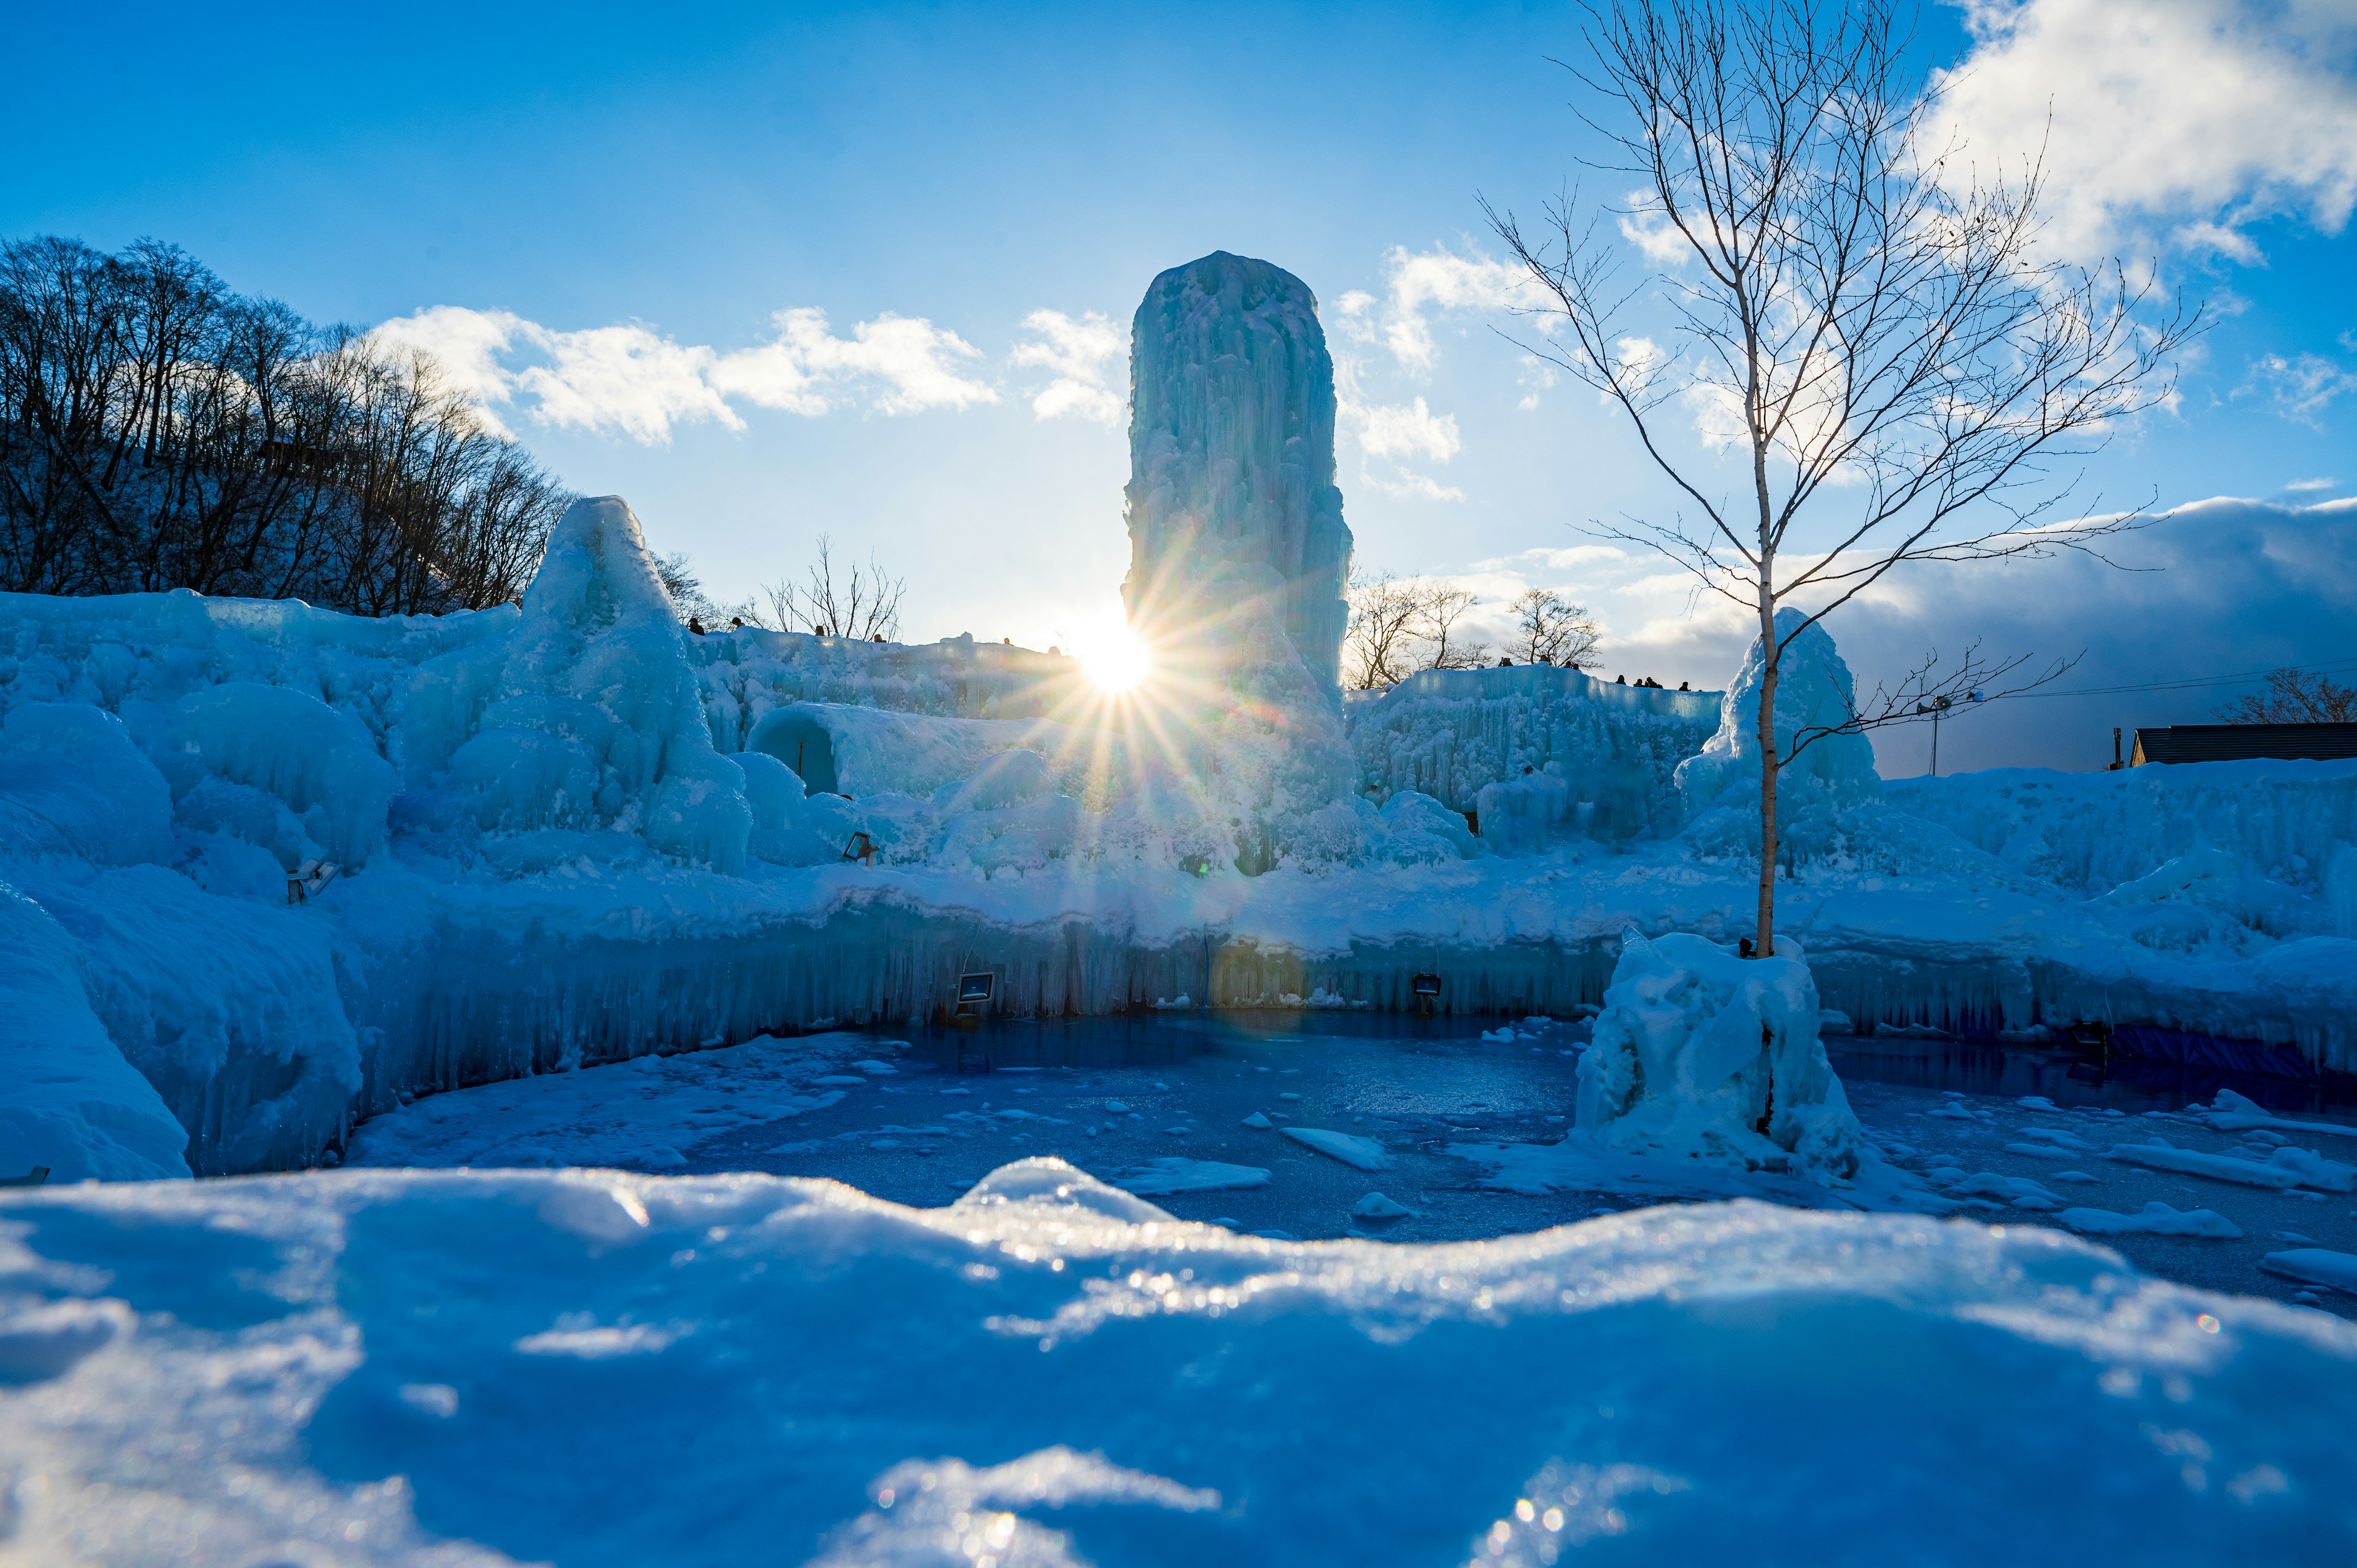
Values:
[(2177, 123), (632, 381)]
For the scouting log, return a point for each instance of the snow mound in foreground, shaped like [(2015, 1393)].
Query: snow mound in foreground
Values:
[(590, 1368), (1702, 1054)]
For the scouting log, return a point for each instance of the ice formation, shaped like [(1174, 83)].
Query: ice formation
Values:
[(569, 832), (475, 1368), (1815, 700), (1590, 758), (587, 717), (1238, 551), (1701, 1053)]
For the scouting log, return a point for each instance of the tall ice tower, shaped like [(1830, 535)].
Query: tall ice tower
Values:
[(1233, 508)]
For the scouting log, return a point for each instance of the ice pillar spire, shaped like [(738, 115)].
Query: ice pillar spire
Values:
[(1237, 553), (1232, 501)]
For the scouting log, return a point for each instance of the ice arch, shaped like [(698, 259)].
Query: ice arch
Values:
[(802, 743)]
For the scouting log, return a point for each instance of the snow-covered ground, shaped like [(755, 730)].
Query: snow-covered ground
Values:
[(1470, 1126), (596, 1368)]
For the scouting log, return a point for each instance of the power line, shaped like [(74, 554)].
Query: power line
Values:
[(2195, 683)]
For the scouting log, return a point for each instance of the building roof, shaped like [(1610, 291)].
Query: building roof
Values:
[(2226, 743)]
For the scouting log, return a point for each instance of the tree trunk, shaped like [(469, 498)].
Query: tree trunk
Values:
[(1765, 944)]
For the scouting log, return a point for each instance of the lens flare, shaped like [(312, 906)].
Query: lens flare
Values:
[(1115, 657)]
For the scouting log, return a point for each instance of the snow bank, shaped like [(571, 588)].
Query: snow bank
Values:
[(1454, 733), (476, 1368), (2157, 1219), (2267, 841), (1702, 1054)]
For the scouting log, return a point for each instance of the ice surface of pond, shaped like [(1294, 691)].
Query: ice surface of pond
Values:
[(1193, 1110)]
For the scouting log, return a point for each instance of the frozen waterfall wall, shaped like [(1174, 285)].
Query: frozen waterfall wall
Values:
[(1450, 733), (2290, 823)]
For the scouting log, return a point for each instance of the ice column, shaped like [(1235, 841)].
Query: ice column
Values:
[(1232, 492), (1238, 551)]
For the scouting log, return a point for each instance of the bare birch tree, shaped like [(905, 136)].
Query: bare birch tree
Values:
[(1866, 321)]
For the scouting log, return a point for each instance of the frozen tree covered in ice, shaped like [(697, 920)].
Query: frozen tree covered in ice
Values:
[(1238, 551), (1700, 1054)]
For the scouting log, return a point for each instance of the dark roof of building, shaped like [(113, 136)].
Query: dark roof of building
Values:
[(2225, 743)]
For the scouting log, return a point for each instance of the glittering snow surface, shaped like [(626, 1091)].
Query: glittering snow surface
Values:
[(602, 1368)]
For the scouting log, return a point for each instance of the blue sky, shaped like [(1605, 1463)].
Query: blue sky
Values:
[(603, 216)]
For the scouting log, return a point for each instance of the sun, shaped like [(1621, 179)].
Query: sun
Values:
[(1114, 657)]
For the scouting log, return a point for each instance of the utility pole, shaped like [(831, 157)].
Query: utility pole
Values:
[(1938, 708)]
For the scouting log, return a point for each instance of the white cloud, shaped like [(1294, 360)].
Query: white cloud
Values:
[(1083, 356), (2302, 487), (2171, 120), (1646, 226), (1408, 485), (632, 380), (1537, 375), (467, 345), (2297, 386), (1391, 430), (1419, 283), (626, 377)]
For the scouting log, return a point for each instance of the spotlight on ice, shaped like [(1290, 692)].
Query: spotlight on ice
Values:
[(1114, 657)]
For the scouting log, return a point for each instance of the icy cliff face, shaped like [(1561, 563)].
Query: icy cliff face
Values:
[(1610, 751), (1238, 552), (1699, 1053)]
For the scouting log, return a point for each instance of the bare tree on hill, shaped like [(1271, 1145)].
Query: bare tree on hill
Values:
[(1551, 630), (1863, 321), (1400, 625), (2293, 696)]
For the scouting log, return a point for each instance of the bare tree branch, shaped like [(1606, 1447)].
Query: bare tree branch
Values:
[(1864, 319)]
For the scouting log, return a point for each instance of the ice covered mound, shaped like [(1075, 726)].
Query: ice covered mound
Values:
[(589, 1368), (588, 716), (1814, 692), (1701, 1053)]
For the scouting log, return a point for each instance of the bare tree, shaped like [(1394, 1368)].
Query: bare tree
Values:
[(1399, 626), (159, 431), (1549, 631), (1864, 322), (2293, 696), (863, 602), (1443, 607), (1378, 642)]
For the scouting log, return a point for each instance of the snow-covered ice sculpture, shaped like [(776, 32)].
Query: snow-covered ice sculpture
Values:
[(1701, 1053), (1238, 551), (1833, 772), (588, 716)]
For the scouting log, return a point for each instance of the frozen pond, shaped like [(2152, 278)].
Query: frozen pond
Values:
[(1161, 1100)]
